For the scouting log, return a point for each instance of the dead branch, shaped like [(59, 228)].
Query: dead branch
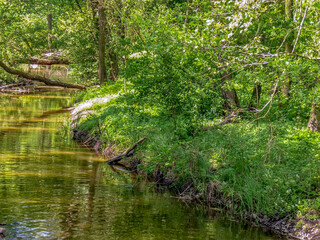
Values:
[(11, 86), (227, 120), (299, 32), (232, 115), (244, 66), (48, 61), (307, 57), (125, 154), (268, 103), (235, 113), (285, 38), (38, 78)]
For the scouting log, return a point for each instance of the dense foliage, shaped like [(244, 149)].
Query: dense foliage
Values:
[(227, 91)]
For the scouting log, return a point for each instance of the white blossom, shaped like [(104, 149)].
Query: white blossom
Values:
[(209, 22), (138, 54)]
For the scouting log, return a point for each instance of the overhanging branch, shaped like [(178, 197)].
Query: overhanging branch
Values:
[(38, 78)]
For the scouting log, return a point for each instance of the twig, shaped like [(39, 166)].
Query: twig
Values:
[(272, 96), (285, 38), (186, 189), (244, 66), (269, 144), (307, 57), (234, 113), (270, 101), (300, 27)]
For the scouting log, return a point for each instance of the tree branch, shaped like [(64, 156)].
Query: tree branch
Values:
[(125, 154), (38, 78), (300, 27), (285, 38), (307, 57)]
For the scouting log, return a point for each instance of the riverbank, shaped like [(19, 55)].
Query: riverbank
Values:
[(264, 171), (56, 189)]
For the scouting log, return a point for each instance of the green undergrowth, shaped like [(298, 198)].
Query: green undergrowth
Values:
[(270, 166), (6, 78)]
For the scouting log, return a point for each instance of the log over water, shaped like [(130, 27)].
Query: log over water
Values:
[(38, 78), (48, 61)]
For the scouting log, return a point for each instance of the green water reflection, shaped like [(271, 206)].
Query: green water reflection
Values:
[(50, 188)]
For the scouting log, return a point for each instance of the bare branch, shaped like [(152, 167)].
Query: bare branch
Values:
[(300, 27), (244, 66), (269, 102), (307, 57), (125, 154), (285, 38)]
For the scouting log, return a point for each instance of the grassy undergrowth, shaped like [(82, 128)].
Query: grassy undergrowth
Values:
[(6, 78), (270, 166)]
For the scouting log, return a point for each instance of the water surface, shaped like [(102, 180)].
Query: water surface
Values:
[(51, 188)]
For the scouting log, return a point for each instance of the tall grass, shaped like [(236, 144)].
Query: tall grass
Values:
[(269, 167)]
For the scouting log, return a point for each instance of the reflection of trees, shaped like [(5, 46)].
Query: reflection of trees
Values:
[(66, 194), (23, 108), (27, 178), (31, 120), (92, 191)]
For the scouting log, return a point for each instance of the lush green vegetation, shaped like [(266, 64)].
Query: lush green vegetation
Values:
[(269, 165), (227, 92)]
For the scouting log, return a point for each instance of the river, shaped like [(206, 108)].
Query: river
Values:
[(51, 188)]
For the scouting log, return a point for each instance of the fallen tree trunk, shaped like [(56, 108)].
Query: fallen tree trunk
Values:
[(48, 61), (125, 154), (38, 78)]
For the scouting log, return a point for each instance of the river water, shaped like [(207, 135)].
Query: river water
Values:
[(51, 188)]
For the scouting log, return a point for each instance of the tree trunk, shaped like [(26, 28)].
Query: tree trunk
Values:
[(47, 61), (49, 30), (38, 78), (120, 31), (314, 120), (230, 95), (255, 98), (114, 68), (289, 18), (94, 7), (122, 26), (288, 46), (102, 41)]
